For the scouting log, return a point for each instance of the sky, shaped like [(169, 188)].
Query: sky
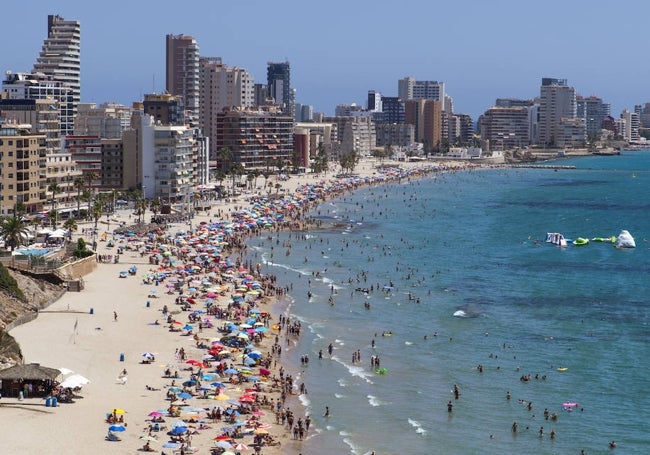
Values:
[(338, 50)]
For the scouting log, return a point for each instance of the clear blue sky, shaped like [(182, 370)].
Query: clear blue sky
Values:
[(338, 50)]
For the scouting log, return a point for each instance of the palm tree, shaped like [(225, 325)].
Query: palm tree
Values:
[(20, 209), (90, 177), (97, 212), (79, 185), (14, 231), (54, 188), (236, 170), (70, 224)]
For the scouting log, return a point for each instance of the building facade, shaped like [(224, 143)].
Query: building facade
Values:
[(182, 71), (505, 127), (257, 138), (557, 102), (22, 169), (593, 111), (60, 60), (221, 87), (278, 82), (107, 121)]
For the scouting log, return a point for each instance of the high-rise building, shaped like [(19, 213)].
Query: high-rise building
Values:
[(60, 61), (374, 101), (182, 71), (165, 109), (410, 89), (22, 159), (258, 139), (278, 75), (557, 102), (393, 109), (593, 111), (631, 125), (222, 87), (505, 127), (426, 116)]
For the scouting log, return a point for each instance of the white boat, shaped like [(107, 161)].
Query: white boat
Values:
[(556, 239)]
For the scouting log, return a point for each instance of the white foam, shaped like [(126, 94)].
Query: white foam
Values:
[(304, 400), (355, 370), (408, 343), (374, 401), (418, 426), (339, 395)]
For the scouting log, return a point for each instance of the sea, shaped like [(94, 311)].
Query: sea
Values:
[(449, 281)]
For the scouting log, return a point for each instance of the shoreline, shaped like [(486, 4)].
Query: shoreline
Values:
[(32, 352)]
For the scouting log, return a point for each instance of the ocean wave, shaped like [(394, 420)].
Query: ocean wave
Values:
[(374, 401), (304, 400), (286, 267), (353, 447), (330, 282), (355, 370), (418, 426), (339, 395), (408, 343), (342, 382)]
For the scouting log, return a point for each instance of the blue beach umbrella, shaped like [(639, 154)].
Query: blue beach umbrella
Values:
[(185, 395), (117, 428), (179, 430), (231, 371)]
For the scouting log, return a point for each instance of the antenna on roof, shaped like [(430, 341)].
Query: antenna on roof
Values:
[(153, 83)]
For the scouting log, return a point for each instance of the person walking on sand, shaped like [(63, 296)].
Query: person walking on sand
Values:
[(115, 316), (327, 411)]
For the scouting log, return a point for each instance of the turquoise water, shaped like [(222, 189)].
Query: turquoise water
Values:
[(474, 241), (33, 251)]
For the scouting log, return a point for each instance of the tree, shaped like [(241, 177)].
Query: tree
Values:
[(79, 185), (349, 161), (70, 224), (90, 177), (20, 209), (97, 212), (54, 188), (225, 159), (321, 161), (14, 231), (220, 176), (236, 170)]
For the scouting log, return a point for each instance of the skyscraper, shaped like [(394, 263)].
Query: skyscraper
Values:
[(182, 71), (278, 77), (557, 102), (222, 87), (410, 89), (60, 60)]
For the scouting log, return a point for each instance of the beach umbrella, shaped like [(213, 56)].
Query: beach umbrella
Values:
[(240, 447), (118, 411), (223, 444), (187, 327), (185, 396), (179, 424), (231, 371), (148, 438), (65, 370), (149, 355), (155, 414), (179, 430), (117, 428), (223, 437)]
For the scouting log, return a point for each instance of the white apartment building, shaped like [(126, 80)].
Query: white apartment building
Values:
[(60, 59)]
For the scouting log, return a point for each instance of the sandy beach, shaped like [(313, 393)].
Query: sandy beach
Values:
[(80, 332)]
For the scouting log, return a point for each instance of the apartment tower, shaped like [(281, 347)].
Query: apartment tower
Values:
[(60, 60), (182, 71), (278, 77)]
